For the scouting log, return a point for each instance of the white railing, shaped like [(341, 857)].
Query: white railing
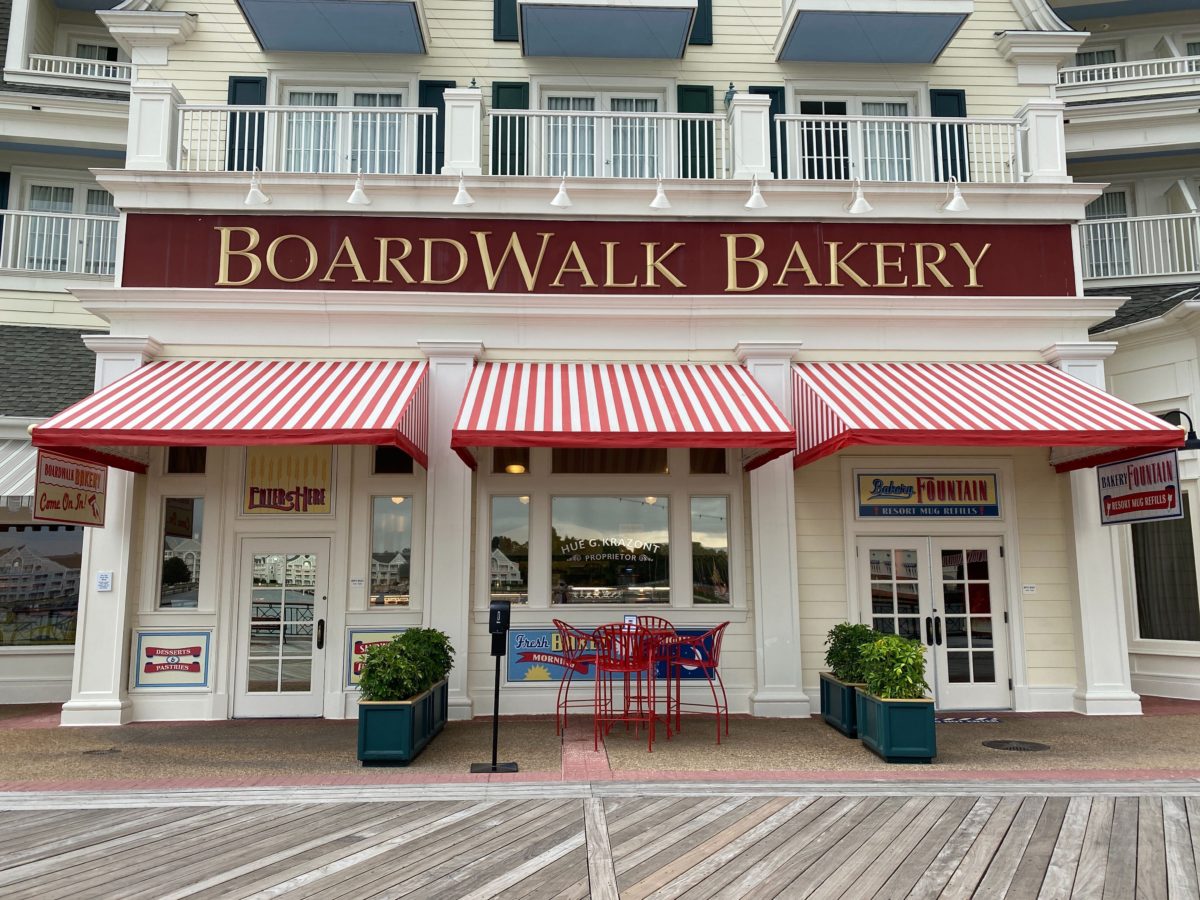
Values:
[(1139, 70), (895, 148), (586, 144), (58, 243), (307, 139), (99, 69), (1145, 246)]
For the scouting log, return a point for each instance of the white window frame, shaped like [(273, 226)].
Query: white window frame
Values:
[(1118, 48), (23, 178), (68, 37), (678, 487), (365, 487), (603, 97), (1130, 199)]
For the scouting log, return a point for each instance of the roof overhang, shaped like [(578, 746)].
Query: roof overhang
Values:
[(338, 26), (869, 31), (612, 29)]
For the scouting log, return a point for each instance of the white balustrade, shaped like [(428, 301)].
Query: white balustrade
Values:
[(1141, 247), (98, 69), (1138, 70), (307, 139), (588, 144), (58, 243), (898, 148)]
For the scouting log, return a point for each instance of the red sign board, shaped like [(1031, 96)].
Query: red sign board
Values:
[(377, 253)]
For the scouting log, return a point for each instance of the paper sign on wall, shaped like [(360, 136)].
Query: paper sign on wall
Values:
[(1145, 489)]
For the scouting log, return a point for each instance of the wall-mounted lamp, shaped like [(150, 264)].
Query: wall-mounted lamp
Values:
[(729, 95), (255, 196), (358, 196), (1191, 442), (954, 201)]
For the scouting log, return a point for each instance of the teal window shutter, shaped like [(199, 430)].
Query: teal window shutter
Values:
[(433, 140), (504, 20), (778, 108), (244, 134), (702, 25), (510, 135), (696, 138), (950, 156)]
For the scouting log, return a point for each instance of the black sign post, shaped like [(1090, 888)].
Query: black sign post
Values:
[(499, 618)]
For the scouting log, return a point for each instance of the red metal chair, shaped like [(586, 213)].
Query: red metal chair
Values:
[(578, 651), (624, 651), (703, 652)]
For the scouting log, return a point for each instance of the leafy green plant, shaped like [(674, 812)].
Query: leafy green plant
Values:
[(893, 668), (844, 656), (410, 664)]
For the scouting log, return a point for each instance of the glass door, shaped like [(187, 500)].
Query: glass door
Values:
[(281, 650), (948, 594)]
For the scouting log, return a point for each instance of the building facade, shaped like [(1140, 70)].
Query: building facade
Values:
[(1131, 102), (474, 300)]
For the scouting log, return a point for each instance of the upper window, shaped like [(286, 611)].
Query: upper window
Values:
[(622, 143), (616, 461), (186, 460), (392, 461), (830, 150), (1109, 205), (1097, 57), (1193, 48), (372, 135)]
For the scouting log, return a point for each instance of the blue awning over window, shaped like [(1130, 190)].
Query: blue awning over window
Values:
[(616, 29), (337, 26), (869, 31)]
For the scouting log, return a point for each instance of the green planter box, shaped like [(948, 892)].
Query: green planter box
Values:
[(900, 731), (392, 733), (838, 705)]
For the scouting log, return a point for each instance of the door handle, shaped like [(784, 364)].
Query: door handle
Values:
[(929, 630), (320, 634), (937, 630)]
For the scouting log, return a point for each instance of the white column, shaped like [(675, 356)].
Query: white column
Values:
[(1103, 684), (100, 679), (779, 691), (750, 136), (1045, 140), (448, 517), (464, 136), (22, 17)]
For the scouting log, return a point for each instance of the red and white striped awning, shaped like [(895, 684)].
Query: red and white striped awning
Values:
[(963, 405), (619, 405), (249, 401)]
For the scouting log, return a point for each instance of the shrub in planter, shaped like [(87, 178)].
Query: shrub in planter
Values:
[(404, 696), (895, 715), (843, 656)]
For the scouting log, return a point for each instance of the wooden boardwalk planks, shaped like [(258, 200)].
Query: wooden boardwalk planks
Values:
[(891, 842)]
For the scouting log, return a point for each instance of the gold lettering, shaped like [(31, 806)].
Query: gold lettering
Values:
[(797, 254), (655, 263), (610, 267), (346, 248), (839, 262), (273, 248), (492, 273), (732, 284), (882, 264), (462, 260), (252, 240), (932, 266), (394, 261), (972, 264), (579, 268)]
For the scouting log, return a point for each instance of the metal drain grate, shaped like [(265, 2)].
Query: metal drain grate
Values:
[(1022, 746), (102, 752)]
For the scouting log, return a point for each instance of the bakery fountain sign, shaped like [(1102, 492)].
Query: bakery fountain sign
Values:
[(344, 253)]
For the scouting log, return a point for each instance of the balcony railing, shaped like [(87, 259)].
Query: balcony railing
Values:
[(58, 243), (894, 148), (1140, 70), (307, 139), (97, 69), (1142, 247), (586, 144)]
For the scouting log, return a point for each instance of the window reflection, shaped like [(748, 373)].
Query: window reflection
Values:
[(183, 524), (391, 550), (610, 550), (509, 563), (39, 578), (710, 550)]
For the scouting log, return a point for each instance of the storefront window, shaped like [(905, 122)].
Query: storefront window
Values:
[(1164, 570), (183, 522), (610, 550), (710, 550), (510, 460), (391, 550), (509, 562), (614, 461), (39, 578), (186, 460)]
